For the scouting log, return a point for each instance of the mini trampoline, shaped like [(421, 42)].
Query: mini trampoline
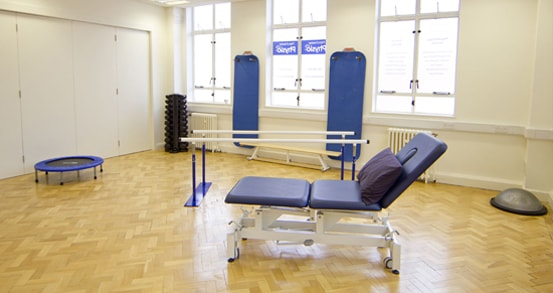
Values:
[(65, 164)]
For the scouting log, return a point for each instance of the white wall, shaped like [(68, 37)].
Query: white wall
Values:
[(131, 14), (502, 133), (501, 136)]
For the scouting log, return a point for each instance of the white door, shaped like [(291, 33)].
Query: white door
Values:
[(133, 70), (11, 148), (46, 77), (95, 66)]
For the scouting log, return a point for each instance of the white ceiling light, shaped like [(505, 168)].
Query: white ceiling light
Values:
[(171, 2)]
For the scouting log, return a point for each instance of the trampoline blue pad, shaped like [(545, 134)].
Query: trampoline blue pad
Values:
[(288, 192), (73, 163)]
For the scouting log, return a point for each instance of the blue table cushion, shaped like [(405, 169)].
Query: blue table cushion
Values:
[(339, 195), (270, 191)]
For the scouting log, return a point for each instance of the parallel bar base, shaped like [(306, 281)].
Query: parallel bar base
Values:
[(200, 192)]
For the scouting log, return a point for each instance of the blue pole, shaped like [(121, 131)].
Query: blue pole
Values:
[(203, 167), (194, 172), (342, 166), (353, 162)]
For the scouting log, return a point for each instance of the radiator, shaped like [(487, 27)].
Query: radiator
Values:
[(399, 137), (203, 121)]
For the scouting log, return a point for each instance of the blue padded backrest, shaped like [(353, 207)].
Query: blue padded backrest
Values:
[(416, 156)]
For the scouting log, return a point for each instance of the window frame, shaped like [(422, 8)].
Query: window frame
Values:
[(213, 87), (297, 89), (414, 95)]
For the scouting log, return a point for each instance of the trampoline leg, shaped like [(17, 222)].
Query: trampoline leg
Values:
[(36, 176), (61, 178), (94, 173)]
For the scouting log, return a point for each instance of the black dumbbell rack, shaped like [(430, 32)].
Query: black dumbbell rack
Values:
[(176, 123)]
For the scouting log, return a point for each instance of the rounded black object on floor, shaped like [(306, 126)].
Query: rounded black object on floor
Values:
[(518, 201)]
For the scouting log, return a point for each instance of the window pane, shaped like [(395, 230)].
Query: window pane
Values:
[(314, 33), (285, 11), (285, 72), (202, 60), (222, 15), (397, 7), (435, 105), (313, 72), (313, 60), (395, 104), (222, 60), (289, 34), (435, 6), (203, 17), (222, 96), (203, 95), (284, 99), (285, 58), (395, 63), (312, 100), (313, 10), (437, 56)]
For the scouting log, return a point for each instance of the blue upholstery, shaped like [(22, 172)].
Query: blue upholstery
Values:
[(417, 156), (338, 195), (270, 191), (427, 150)]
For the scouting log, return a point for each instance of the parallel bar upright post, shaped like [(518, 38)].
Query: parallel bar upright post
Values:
[(203, 167), (194, 172), (353, 162), (342, 161)]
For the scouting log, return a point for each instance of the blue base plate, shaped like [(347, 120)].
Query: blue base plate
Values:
[(199, 194)]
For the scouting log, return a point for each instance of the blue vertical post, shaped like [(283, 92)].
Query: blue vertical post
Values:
[(194, 172), (353, 162), (203, 167), (199, 191), (343, 155)]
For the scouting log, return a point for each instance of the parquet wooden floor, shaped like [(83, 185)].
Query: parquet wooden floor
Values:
[(128, 231)]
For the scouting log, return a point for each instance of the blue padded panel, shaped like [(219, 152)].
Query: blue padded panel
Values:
[(270, 191), (338, 195), (346, 88), (418, 155), (427, 149), (245, 95)]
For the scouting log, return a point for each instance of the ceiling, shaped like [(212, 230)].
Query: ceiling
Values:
[(185, 3)]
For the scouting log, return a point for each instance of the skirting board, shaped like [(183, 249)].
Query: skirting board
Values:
[(491, 184)]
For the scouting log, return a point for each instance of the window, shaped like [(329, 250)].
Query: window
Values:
[(212, 59), (298, 54), (417, 56)]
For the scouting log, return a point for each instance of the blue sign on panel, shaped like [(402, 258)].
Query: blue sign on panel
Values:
[(285, 48), (313, 47)]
